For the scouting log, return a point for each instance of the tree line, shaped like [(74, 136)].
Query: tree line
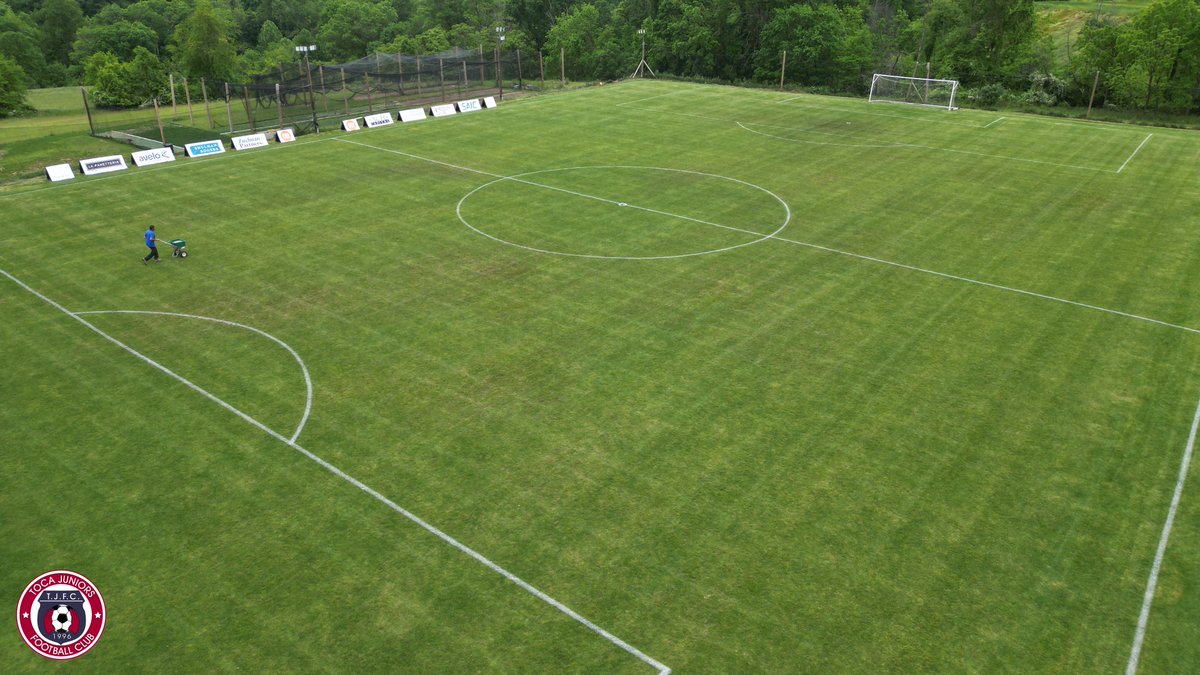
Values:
[(997, 49)]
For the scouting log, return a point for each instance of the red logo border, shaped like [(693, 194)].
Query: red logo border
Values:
[(95, 625)]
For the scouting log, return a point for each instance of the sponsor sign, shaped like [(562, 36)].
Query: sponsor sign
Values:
[(413, 115), (155, 156), (379, 120), (443, 110), (95, 165), (204, 148), (251, 141), (61, 615), (350, 125), (285, 135), (489, 102), (59, 172), (469, 105)]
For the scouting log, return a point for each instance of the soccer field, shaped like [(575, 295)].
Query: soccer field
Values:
[(644, 376)]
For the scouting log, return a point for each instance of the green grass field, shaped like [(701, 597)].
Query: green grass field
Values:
[(753, 382)]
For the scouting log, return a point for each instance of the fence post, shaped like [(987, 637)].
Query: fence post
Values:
[(207, 107), (562, 65), (162, 136), (400, 69), (418, 74), (345, 95), (466, 80), (174, 112), (324, 96), (520, 75), (482, 66), (783, 70), (187, 92), (228, 108), (87, 109), (442, 79), (367, 79), (541, 71), (249, 111), (279, 102), (1092, 98)]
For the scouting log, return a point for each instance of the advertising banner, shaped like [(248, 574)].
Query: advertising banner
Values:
[(204, 148), (59, 172), (412, 115), (443, 110), (285, 135), (469, 105), (95, 165), (350, 125), (155, 156), (379, 120), (251, 141), (489, 102)]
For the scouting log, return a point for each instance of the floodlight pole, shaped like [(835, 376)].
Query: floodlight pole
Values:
[(499, 75), (312, 102), (642, 65)]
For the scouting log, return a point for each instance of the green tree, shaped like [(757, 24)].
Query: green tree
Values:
[(119, 38), (204, 45), (574, 35), (59, 20), (350, 27), (681, 39), (826, 46), (19, 41), (12, 88)]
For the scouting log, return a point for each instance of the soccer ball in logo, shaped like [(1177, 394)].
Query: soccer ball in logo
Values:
[(60, 617)]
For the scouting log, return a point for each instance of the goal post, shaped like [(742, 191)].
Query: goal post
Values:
[(914, 91)]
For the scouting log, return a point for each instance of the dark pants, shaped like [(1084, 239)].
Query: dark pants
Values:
[(152, 254)]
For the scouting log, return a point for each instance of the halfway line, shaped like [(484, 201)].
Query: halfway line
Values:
[(630, 649)]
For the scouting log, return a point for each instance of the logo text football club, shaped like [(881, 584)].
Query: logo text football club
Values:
[(61, 615)]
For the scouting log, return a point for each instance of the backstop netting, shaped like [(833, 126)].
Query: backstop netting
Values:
[(914, 90)]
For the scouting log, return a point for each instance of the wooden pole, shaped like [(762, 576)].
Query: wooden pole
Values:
[(541, 71), (207, 107), (466, 80), (228, 108), (367, 79), (1092, 98), (174, 112), (562, 65), (482, 72), (400, 69), (324, 96), (926, 82), (187, 92), (418, 74), (520, 75), (87, 109), (442, 79), (249, 110), (162, 135), (345, 95), (783, 70)]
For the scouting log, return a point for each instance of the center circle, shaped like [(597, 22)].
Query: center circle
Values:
[(668, 200)]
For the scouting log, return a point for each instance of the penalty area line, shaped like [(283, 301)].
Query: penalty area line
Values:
[(1139, 636), (478, 557), (1135, 152)]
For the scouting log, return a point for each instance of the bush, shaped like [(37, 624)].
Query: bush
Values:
[(988, 95)]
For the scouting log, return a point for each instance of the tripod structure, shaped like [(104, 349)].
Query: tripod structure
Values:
[(642, 66)]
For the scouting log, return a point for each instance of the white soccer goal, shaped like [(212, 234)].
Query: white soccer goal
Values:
[(914, 90)]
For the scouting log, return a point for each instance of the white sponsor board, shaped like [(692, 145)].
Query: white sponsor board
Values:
[(413, 115), (154, 156), (350, 125), (59, 172), (443, 110), (469, 105), (204, 148), (489, 102), (379, 120), (285, 135), (95, 165), (251, 141)]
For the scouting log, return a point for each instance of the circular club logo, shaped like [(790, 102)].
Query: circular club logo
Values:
[(61, 615)]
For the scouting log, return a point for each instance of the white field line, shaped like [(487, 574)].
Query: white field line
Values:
[(995, 121), (650, 98), (858, 256), (1135, 152), (308, 386), (630, 649), (911, 145), (849, 111), (1152, 583)]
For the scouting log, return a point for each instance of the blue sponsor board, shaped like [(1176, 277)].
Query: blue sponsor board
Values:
[(204, 148)]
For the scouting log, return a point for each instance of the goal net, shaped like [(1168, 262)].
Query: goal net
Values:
[(914, 90)]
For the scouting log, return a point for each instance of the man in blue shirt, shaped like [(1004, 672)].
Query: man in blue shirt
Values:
[(150, 239)]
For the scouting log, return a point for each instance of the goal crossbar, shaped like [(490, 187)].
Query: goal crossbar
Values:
[(914, 91)]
